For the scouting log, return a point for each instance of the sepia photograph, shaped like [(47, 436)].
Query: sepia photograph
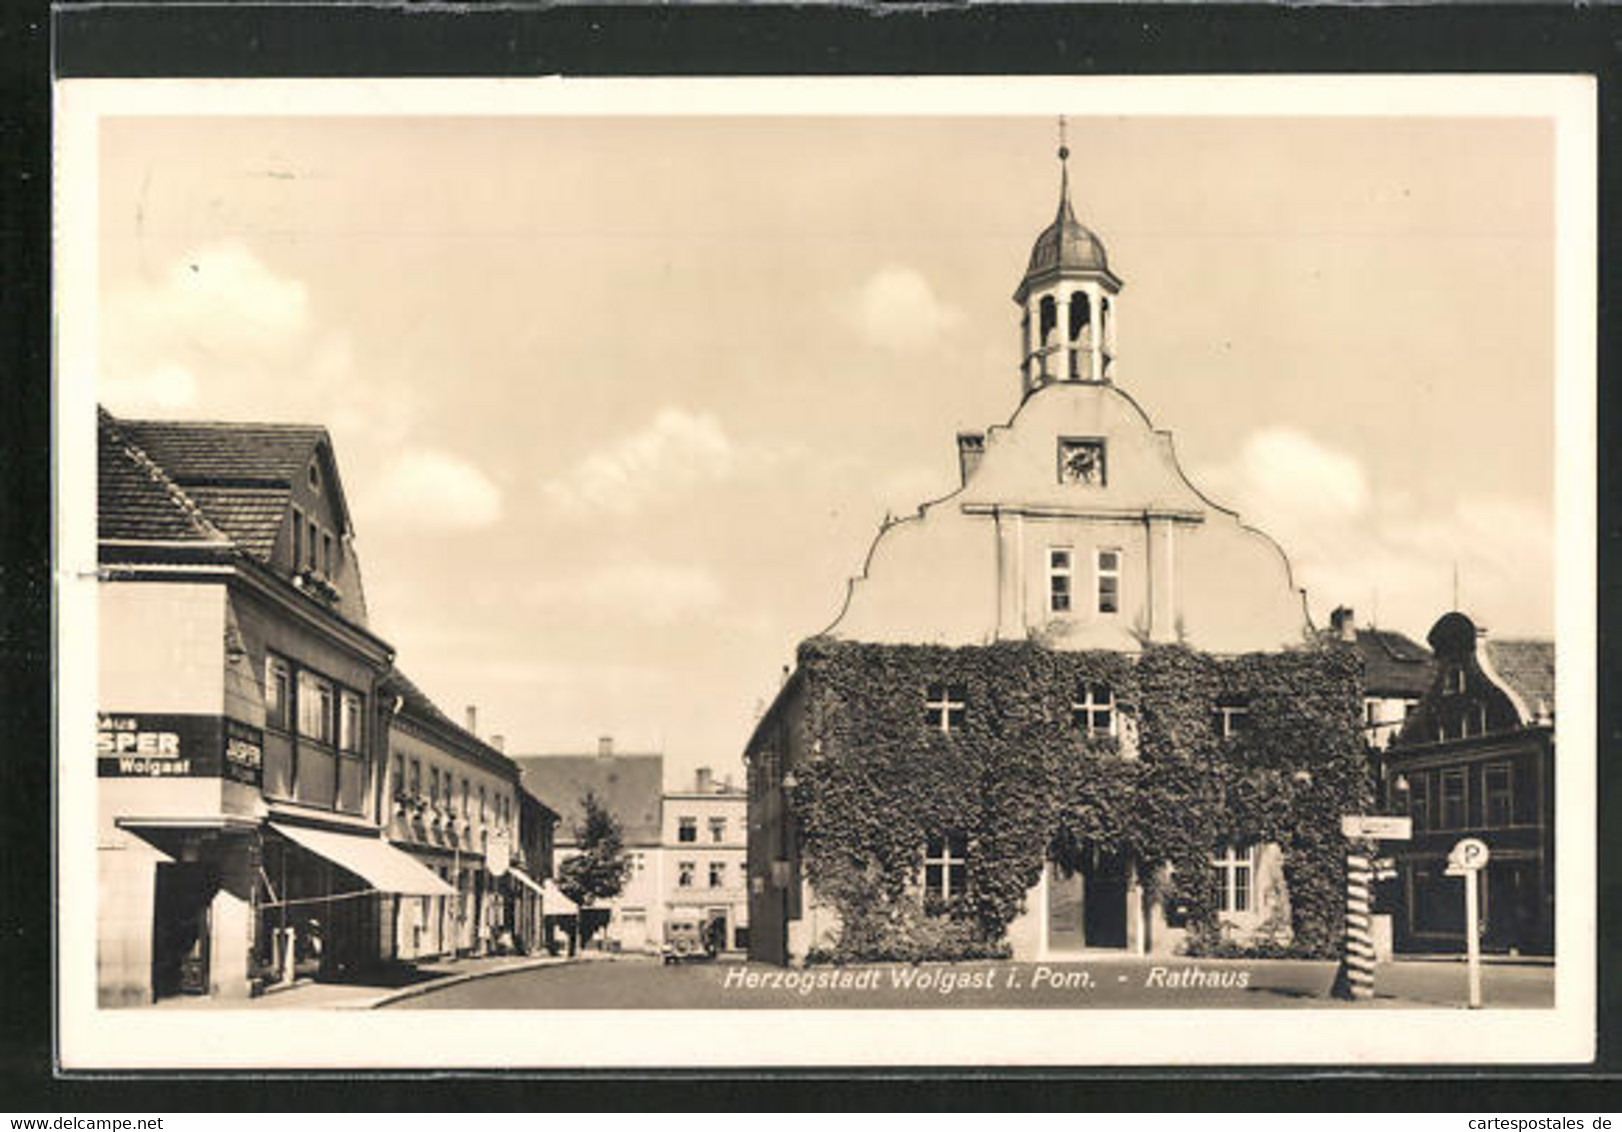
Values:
[(867, 572)]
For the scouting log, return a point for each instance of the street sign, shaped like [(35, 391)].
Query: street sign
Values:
[(1468, 856), (1378, 827)]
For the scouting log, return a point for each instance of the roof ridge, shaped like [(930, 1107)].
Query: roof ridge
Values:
[(183, 502), (239, 426)]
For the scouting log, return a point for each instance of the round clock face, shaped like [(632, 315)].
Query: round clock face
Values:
[(1081, 461)]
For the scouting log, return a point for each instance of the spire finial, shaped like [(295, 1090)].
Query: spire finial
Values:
[(1064, 171)]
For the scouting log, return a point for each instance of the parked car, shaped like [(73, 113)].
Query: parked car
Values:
[(685, 938)]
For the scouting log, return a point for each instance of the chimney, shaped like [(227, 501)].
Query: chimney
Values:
[(499, 742), (605, 745), (970, 447), (1342, 623), (473, 719), (704, 783)]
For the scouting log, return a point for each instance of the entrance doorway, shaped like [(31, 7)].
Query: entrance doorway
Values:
[(180, 929), (1087, 894)]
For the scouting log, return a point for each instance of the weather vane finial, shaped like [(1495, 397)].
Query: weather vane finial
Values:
[(1064, 150)]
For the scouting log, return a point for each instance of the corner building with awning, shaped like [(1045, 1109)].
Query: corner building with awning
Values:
[(242, 737)]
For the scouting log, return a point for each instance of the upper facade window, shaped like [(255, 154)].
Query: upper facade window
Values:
[(1108, 573), (1059, 573), (686, 829), (1499, 786), (1081, 461), (946, 868), (946, 707), (1094, 710), (315, 704), (718, 829), (278, 694), (1232, 717)]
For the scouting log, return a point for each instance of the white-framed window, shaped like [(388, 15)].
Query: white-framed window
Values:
[(313, 535), (1060, 564), (718, 829), (1235, 866), (1232, 717), (278, 700), (315, 704), (946, 867), (1108, 577), (1498, 783), (945, 707), (684, 873), (349, 723), (1094, 710), (638, 862), (686, 829), (718, 874)]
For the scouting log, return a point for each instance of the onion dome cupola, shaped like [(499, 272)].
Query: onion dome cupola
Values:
[(1067, 300)]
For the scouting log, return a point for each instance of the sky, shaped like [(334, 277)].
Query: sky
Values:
[(619, 403)]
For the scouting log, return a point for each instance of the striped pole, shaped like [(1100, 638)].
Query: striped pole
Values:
[(1358, 963)]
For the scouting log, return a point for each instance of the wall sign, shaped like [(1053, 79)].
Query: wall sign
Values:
[(143, 745)]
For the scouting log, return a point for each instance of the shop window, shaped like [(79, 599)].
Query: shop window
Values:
[(946, 869), (718, 829), (945, 707), (686, 829), (718, 874), (1093, 710), (1233, 716), (1453, 800), (1499, 782), (1235, 867), (684, 874), (278, 703), (1109, 581), (1059, 579)]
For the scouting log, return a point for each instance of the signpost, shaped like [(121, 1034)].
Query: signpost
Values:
[(1467, 860), (1361, 830)]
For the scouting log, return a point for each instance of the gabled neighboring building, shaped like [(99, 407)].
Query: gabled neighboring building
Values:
[(242, 733), (630, 786), (1476, 759), (1397, 672)]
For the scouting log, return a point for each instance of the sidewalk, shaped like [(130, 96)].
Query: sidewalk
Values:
[(406, 981)]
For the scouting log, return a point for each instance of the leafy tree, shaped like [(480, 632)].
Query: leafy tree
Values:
[(599, 870)]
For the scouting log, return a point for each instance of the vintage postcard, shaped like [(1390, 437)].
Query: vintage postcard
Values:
[(621, 573)]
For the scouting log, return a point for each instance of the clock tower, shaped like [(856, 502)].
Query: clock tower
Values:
[(1066, 300)]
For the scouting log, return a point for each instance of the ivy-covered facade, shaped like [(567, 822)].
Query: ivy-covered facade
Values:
[(1072, 705)]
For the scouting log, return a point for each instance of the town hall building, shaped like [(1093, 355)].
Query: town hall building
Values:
[(1036, 678)]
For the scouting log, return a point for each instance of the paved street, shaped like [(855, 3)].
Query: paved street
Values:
[(1175, 984)]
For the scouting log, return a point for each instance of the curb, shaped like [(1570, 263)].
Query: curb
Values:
[(459, 978)]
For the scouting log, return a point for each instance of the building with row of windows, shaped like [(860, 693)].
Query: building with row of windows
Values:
[(1074, 528), (249, 832), (685, 847)]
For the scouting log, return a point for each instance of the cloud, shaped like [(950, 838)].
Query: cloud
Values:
[(676, 451), (166, 387), (434, 490), (897, 309), (657, 593), (1388, 552)]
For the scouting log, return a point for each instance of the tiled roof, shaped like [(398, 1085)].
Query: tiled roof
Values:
[(224, 454), (629, 787), (1394, 665), (135, 499), (1527, 666), (251, 516)]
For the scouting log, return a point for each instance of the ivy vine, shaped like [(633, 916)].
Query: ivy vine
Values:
[(1022, 782)]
